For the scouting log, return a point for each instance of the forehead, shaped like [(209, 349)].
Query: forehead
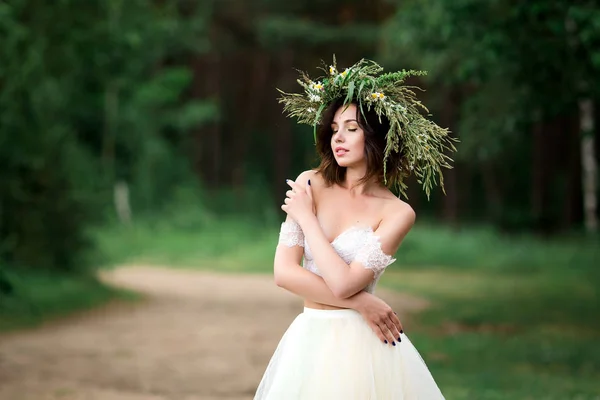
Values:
[(344, 113)]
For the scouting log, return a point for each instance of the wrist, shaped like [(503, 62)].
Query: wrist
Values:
[(358, 300), (306, 222)]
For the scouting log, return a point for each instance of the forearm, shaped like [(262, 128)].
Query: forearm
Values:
[(305, 284), (332, 267)]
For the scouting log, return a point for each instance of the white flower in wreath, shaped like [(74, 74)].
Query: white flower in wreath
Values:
[(332, 70), (377, 96), (311, 110), (318, 86), (314, 98)]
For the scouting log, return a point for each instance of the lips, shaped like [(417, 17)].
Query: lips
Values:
[(340, 151)]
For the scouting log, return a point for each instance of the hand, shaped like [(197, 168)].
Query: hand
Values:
[(299, 202), (380, 317)]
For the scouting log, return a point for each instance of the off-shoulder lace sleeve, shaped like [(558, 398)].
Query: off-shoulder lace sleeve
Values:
[(372, 257), (291, 234)]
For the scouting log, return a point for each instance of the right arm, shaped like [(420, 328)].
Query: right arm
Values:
[(291, 276)]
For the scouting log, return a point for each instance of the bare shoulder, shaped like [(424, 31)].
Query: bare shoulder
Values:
[(398, 218), (398, 212), (315, 178)]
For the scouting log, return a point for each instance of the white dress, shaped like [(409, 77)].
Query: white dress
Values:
[(334, 354)]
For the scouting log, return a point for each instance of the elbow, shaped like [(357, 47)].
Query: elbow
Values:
[(345, 289), (279, 281), (279, 277), (344, 295), (343, 292)]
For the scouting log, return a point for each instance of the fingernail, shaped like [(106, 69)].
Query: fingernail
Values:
[(399, 339), (309, 182), (287, 180), (385, 341), (401, 331), (393, 343)]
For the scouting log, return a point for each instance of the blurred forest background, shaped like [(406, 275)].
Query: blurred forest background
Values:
[(150, 130)]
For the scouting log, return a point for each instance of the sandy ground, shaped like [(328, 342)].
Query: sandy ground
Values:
[(197, 335)]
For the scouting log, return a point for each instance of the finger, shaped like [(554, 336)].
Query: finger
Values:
[(387, 333), (287, 200), (290, 193), (378, 332), (284, 207), (397, 322), (309, 190), (394, 330), (294, 185)]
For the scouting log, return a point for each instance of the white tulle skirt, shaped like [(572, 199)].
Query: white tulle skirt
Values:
[(334, 355)]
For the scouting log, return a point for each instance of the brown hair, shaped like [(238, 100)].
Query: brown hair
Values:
[(375, 140)]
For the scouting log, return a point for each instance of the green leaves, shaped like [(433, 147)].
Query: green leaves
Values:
[(317, 118), (350, 94), (397, 78), (91, 92), (389, 98), (279, 31)]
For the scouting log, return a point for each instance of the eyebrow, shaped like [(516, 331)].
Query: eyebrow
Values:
[(348, 120)]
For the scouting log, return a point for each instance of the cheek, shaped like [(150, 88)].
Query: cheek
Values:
[(358, 142)]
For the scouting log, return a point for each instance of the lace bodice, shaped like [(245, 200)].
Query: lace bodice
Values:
[(354, 244)]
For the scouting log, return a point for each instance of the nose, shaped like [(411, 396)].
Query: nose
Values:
[(337, 137)]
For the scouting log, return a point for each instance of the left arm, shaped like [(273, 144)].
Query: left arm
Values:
[(346, 280)]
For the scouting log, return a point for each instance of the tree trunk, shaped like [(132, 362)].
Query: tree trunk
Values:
[(111, 115), (207, 139), (252, 100), (588, 163), (111, 102), (589, 168), (283, 131), (493, 192), (574, 199), (122, 204), (449, 118), (537, 174)]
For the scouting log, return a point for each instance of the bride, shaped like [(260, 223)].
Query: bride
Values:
[(346, 224)]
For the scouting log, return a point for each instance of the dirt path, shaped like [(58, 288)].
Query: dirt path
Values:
[(198, 335)]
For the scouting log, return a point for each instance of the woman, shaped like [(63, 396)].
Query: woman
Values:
[(341, 217)]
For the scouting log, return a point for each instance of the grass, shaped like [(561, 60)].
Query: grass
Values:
[(511, 317), (245, 246), (225, 245), (38, 296), (429, 245), (501, 336)]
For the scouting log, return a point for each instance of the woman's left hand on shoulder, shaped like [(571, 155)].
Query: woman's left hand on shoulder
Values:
[(299, 203)]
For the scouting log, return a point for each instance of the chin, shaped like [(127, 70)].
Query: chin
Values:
[(343, 162)]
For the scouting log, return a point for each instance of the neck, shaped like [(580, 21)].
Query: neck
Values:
[(353, 176)]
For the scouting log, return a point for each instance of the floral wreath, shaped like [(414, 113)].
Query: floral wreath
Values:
[(422, 143)]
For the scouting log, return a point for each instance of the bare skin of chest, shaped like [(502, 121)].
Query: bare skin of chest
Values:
[(337, 211)]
